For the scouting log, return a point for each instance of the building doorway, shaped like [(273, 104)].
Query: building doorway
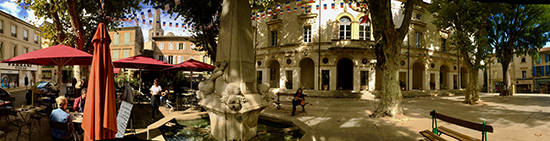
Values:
[(418, 73), (463, 77), (443, 77), (344, 74), (274, 74), (307, 74)]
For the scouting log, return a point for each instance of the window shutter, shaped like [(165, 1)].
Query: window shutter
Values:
[(547, 70), (546, 57), (542, 71), (534, 71)]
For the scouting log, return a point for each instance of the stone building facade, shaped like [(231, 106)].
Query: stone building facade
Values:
[(526, 74), (520, 70), (331, 48), (17, 37), (176, 49), (126, 42)]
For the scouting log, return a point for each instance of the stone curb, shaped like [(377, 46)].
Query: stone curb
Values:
[(13, 90)]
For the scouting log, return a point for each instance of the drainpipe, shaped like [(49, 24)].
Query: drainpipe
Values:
[(319, 53), (459, 70), (255, 47), (408, 65)]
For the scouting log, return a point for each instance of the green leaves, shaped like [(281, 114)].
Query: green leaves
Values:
[(201, 13), (90, 16), (519, 29), (467, 20)]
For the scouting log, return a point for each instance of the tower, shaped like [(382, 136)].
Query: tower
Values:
[(157, 28)]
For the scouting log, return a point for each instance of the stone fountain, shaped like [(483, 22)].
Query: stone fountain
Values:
[(231, 96)]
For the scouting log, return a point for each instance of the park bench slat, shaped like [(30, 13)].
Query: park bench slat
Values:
[(464, 123), (456, 135), (431, 136)]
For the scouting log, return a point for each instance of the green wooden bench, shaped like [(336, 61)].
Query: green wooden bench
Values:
[(278, 102), (436, 132)]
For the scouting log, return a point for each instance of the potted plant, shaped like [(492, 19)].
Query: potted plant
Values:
[(402, 85), (288, 84), (363, 83)]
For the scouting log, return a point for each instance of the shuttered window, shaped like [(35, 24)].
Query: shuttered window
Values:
[(126, 38), (115, 39)]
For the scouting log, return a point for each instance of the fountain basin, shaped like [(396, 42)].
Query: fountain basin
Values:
[(199, 130)]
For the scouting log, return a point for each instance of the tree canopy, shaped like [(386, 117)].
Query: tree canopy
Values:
[(77, 14), (204, 14), (467, 21), (518, 30)]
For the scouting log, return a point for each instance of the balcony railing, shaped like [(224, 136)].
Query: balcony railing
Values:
[(14, 35), (357, 44)]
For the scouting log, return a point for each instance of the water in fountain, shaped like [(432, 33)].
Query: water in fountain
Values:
[(199, 130)]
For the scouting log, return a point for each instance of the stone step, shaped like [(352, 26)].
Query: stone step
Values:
[(352, 94)]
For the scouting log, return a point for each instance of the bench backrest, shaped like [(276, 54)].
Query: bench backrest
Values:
[(463, 123)]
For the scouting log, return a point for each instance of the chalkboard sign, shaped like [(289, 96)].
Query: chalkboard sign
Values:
[(122, 118)]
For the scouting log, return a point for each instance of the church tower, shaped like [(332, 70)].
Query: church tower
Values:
[(157, 29)]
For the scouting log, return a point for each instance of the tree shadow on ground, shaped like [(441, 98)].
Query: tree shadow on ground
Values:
[(344, 119), (493, 110)]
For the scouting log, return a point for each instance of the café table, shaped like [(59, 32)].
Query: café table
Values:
[(185, 96), (76, 117), (25, 112), (77, 123)]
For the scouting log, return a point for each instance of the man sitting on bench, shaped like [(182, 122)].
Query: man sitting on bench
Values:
[(298, 100)]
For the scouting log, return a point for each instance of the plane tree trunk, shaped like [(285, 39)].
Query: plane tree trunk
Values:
[(388, 53)]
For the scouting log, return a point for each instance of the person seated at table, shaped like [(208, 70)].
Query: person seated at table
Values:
[(60, 115), (79, 102)]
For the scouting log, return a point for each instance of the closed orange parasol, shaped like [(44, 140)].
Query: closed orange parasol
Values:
[(99, 121)]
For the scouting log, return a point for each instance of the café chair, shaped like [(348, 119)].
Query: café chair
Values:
[(17, 122), (63, 130), (36, 119)]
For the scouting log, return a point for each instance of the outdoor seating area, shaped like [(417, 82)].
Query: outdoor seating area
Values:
[(23, 120)]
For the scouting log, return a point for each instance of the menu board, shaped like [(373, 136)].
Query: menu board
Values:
[(122, 118)]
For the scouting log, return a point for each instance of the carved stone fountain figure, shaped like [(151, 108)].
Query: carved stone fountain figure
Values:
[(230, 96)]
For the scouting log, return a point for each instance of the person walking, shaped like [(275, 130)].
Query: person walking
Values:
[(156, 92), (298, 100)]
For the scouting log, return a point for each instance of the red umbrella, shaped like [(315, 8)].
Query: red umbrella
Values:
[(99, 121), (116, 70), (141, 62), (58, 55), (191, 65)]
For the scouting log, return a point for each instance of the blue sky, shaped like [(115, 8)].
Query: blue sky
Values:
[(12, 8), (9, 6)]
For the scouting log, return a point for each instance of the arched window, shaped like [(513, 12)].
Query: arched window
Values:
[(345, 28), (364, 30)]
